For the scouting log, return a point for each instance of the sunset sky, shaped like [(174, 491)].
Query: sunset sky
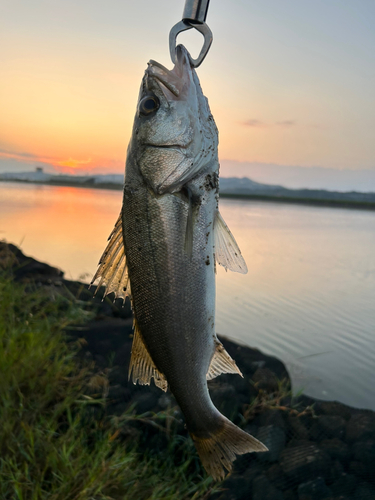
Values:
[(290, 83)]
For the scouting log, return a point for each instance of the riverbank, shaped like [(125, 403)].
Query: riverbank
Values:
[(318, 450), (289, 196)]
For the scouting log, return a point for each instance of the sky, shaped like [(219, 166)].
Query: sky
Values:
[(291, 85)]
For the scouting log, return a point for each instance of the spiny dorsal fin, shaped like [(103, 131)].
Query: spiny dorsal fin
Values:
[(113, 271), (227, 253), (141, 367), (221, 362)]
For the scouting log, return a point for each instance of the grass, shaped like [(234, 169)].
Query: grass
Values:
[(55, 441)]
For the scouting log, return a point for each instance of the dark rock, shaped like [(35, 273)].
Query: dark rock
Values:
[(359, 469), (328, 426), (333, 408), (290, 495), (364, 491), (118, 393), (277, 477), (314, 490), (274, 438), (117, 375), (296, 429), (225, 399), (336, 449), (235, 488), (265, 380), (144, 401), (271, 417), (364, 451), (264, 490), (26, 268), (334, 472), (304, 462), (166, 401), (344, 485), (360, 427), (298, 442)]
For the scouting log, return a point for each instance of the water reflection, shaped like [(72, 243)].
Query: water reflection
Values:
[(308, 297)]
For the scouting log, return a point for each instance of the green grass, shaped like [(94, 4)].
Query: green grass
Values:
[(55, 441)]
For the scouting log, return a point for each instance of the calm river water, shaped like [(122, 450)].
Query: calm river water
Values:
[(308, 298)]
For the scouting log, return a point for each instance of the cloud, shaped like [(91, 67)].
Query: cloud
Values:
[(253, 122), (62, 165), (286, 123)]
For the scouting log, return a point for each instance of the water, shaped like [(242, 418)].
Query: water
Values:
[(308, 297)]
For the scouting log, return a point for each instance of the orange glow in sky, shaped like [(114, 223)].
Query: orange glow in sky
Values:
[(287, 84)]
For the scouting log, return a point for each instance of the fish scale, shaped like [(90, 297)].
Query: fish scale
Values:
[(171, 235)]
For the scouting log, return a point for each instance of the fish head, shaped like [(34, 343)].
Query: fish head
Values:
[(174, 133)]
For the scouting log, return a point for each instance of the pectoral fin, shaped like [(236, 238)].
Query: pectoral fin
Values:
[(113, 271), (141, 367), (227, 253), (221, 363)]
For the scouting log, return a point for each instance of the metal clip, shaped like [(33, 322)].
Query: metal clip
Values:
[(194, 16)]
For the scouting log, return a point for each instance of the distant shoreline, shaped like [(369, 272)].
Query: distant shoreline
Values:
[(333, 203)]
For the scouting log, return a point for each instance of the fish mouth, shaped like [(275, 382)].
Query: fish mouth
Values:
[(176, 80)]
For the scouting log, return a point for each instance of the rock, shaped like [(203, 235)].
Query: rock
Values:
[(360, 427), (265, 380), (298, 442), (305, 462), (118, 393), (359, 469), (344, 485), (336, 449), (333, 408), (328, 426), (264, 490), (271, 417), (296, 428), (274, 438), (334, 472), (314, 490), (235, 488), (117, 375), (364, 451), (364, 491), (277, 477), (225, 399), (290, 495), (144, 401)]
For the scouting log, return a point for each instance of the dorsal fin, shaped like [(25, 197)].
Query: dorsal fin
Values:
[(141, 367), (113, 271), (227, 253), (221, 362)]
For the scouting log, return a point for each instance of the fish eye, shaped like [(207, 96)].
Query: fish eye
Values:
[(149, 104)]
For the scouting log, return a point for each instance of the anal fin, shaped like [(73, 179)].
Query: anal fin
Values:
[(113, 270), (141, 367), (227, 252), (221, 362)]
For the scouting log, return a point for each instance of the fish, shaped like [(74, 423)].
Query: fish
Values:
[(163, 251)]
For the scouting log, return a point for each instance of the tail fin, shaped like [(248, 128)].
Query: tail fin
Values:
[(220, 448)]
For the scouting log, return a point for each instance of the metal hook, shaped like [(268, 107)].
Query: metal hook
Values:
[(194, 16), (187, 25)]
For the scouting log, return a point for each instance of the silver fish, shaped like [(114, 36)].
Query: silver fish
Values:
[(166, 243)]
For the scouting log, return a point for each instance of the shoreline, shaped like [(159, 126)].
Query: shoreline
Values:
[(318, 202), (318, 450)]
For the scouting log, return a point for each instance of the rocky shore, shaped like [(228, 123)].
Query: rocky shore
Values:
[(317, 450)]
